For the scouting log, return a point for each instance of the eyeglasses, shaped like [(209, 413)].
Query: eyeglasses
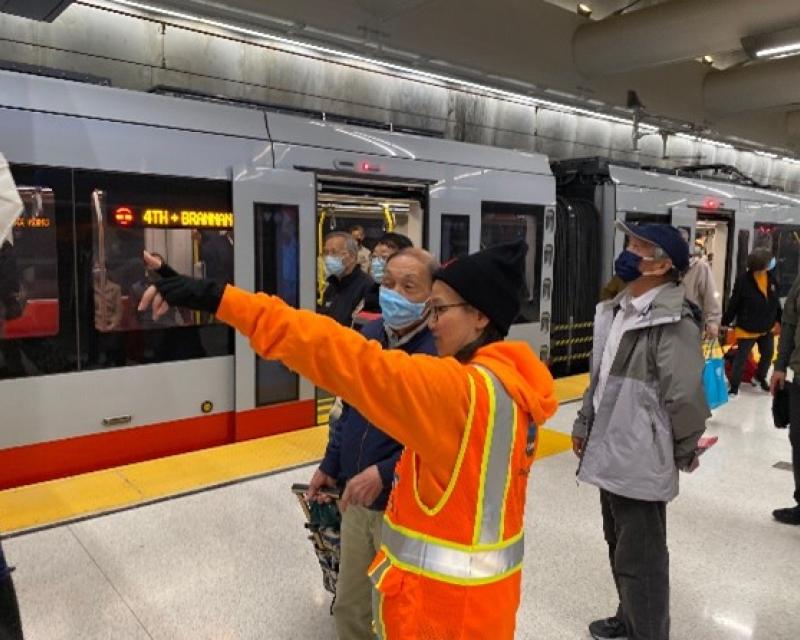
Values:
[(437, 309)]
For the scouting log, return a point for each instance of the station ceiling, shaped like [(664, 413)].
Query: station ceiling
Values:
[(544, 47)]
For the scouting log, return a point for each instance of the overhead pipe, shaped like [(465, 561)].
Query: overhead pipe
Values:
[(675, 31), (757, 87)]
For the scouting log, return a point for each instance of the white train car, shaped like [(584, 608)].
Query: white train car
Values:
[(227, 192), (725, 214)]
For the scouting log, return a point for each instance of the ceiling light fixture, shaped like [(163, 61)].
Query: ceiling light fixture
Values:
[(707, 60), (777, 51), (584, 9), (770, 45)]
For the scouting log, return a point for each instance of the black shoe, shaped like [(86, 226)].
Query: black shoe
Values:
[(762, 382), (787, 516), (609, 628), (734, 390)]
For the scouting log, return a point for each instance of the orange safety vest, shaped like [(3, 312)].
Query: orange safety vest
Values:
[(452, 570)]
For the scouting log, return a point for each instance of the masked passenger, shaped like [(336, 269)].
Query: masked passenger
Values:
[(347, 284), (360, 459), (641, 419)]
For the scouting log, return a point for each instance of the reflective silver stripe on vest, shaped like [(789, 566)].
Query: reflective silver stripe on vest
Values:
[(499, 463), (458, 564)]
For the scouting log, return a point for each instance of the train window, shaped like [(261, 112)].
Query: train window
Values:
[(504, 222), (277, 272), (37, 323), (783, 240), (643, 217), (455, 236), (189, 223)]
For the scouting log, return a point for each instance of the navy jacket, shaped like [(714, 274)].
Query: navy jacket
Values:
[(341, 297), (355, 443)]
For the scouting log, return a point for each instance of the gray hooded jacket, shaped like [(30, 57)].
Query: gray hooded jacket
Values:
[(653, 409)]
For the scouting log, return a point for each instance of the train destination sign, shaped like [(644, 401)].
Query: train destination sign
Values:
[(171, 218), (32, 223)]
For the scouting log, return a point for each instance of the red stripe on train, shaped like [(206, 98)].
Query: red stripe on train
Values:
[(59, 458)]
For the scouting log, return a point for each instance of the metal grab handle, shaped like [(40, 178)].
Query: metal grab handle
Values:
[(101, 256), (389, 218), (321, 283)]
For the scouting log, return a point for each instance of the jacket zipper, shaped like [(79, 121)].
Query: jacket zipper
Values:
[(657, 444), (361, 450)]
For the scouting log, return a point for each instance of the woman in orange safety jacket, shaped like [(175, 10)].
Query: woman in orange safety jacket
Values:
[(452, 541)]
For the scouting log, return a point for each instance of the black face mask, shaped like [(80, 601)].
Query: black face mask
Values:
[(626, 266)]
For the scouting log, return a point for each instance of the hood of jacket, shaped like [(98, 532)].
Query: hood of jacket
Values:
[(526, 379)]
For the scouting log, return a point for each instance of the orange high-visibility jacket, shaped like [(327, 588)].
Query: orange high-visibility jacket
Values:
[(449, 565)]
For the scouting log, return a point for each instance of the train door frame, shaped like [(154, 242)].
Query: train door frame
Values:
[(726, 217), (253, 188)]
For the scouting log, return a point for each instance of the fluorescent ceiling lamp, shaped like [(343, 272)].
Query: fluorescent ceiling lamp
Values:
[(776, 51), (584, 9), (776, 43)]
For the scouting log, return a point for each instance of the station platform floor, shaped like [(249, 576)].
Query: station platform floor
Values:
[(233, 562)]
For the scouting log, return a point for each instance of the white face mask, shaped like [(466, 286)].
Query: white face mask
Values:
[(334, 266), (377, 268)]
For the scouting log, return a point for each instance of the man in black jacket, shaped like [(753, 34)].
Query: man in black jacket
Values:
[(755, 308), (360, 457), (347, 283), (789, 356)]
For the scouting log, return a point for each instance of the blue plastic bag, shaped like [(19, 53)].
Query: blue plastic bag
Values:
[(714, 376)]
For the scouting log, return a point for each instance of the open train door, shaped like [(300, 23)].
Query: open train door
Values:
[(274, 226)]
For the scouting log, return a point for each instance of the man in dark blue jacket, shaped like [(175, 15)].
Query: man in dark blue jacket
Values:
[(361, 458)]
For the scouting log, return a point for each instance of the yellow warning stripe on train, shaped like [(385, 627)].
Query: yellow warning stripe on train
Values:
[(66, 499)]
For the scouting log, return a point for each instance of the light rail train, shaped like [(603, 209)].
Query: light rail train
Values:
[(244, 195), (227, 192)]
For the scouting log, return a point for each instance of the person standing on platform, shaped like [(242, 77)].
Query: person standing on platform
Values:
[(640, 421), (453, 534), (698, 281), (755, 308), (789, 357), (359, 457), (347, 284)]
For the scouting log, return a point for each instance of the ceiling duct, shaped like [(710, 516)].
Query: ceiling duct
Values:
[(757, 87), (675, 32), (42, 10)]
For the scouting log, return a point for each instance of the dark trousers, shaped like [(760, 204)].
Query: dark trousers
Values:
[(636, 533), (10, 625), (794, 434), (745, 346)]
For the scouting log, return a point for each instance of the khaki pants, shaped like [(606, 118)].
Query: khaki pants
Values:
[(360, 540)]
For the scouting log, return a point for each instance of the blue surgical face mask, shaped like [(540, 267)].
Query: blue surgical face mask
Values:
[(376, 268), (334, 266), (399, 312), (626, 266), (772, 264)]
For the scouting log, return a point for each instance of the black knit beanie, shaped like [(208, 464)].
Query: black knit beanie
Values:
[(491, 280)]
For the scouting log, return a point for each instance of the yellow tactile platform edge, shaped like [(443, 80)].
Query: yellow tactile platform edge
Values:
[(48, 503)]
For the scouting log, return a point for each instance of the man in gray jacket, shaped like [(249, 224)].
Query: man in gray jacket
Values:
[(641, 418)]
